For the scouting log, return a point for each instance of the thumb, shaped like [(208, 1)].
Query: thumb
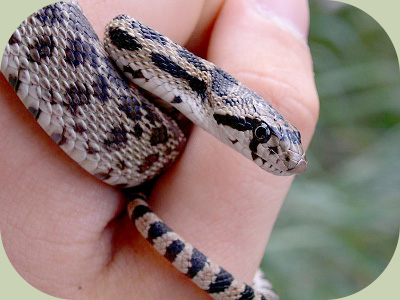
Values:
[(262, 43)]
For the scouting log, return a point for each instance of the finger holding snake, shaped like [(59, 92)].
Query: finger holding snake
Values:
[(220, 200)]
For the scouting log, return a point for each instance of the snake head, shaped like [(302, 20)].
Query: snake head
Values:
[(265, 137)]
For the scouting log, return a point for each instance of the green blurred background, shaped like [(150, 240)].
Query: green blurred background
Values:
[(339, 226)]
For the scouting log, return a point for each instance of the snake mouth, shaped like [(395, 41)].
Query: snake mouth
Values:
[(280, 166), (267, 165), (300, 166)]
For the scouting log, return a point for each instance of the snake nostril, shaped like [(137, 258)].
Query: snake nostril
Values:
[(301, 166)]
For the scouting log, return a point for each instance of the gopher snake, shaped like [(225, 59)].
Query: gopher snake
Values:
[(66, 79)]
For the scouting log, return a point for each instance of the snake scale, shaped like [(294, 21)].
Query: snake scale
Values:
[(78, 91)]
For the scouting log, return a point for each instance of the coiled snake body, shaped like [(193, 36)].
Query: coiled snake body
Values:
[(66, 79)]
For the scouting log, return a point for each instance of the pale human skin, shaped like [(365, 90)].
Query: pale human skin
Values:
[(66, 232)]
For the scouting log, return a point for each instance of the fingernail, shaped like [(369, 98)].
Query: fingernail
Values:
[(292, 13)]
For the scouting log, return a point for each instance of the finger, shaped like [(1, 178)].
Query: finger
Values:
[(273, 58), (175, 18), (232, 204)]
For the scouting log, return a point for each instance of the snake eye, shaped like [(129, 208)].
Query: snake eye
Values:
[(262, 133)]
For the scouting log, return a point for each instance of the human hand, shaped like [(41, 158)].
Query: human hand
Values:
[(63, 230)]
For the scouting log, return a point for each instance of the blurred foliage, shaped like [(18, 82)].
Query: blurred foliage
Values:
[(339, 226)]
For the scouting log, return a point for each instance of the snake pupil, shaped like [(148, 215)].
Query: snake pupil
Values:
[(262, 133)]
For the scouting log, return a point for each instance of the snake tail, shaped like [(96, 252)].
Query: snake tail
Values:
[(207, 275)]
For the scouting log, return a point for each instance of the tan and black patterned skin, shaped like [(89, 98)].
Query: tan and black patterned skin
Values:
[(67, 80), (207, 275), (207, 95), (61, 73)]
